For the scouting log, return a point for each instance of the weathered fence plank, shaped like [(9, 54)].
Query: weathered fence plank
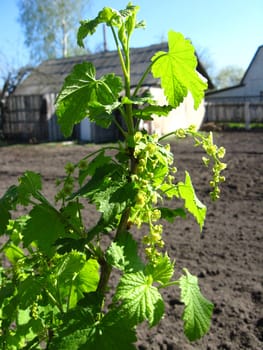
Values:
[(31, 118), (239, 112)]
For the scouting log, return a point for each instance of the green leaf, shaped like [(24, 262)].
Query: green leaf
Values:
[(177, 70), (70, 214), (76, 276), (29, 184), (28, 290), (123, 254), (163, 269), (13, 253), (105, 337), (109, 190), (140, 299), (192, 203), (82, 95), (5, 216), (107, 15), (147, 113), (171, 214), (169, 190), (98, 162), (124, 20), (7, 203), (45, 226), (198, 310)]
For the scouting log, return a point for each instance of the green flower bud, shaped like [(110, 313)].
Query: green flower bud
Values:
[(150, 148), (181, 133), (69, 168), (83, 164), (221, 152), (156, 214), (137, 136), (141, 199), (206, 161)]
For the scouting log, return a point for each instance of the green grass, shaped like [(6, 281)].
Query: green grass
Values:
[(240, 126)]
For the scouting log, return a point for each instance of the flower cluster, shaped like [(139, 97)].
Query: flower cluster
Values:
[(214, 155), (67, 183), (154, 167)]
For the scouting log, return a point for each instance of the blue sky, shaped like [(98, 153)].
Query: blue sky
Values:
[(228, 31)]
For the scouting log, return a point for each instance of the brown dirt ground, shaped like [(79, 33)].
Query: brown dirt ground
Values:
[(227, 257)]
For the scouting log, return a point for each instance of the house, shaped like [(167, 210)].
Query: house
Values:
[(242, 102), (31, 112)]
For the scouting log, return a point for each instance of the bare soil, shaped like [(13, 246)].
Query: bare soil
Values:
[(227, 256)]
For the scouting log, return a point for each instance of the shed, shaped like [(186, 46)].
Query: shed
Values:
[(242, 102), (31, 113)]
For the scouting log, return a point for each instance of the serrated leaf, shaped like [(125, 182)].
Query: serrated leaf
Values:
[(124, 20), (171, 214), (70, 214), (110, 333), (5, 216), (109, 190), (29, 185), (102, 114), (108, 338), (148, 112), (82, 95), (76, 276), (198, 310), (98, 162), (140, 299), (28, 290), (13, 253), (163, 269), (123, 254), (44, 226), (177, 70), (7, 202), (107, 15), (169, 190), (192, 203)]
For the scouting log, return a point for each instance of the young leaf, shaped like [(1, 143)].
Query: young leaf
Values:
[(45, 226), (13, 253), (82, 95), (124, 20), (76, 276), (163, 269), (177, 70), (29, 185), (100, 336), (5, 216), (198, 310), (7, 203), (147, 112), (170, 214), (123, 254), (140, 299), (192, 203), (99, 161), (107, 15), (28, 290)]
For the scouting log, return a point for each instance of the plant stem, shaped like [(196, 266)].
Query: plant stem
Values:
[(106, 268)]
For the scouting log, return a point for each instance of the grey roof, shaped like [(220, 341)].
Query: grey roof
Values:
[(49, 76)]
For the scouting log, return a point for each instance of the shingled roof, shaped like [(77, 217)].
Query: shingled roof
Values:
[(49, 76)]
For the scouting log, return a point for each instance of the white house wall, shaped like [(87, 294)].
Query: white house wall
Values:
[(85, 130), (181, 117), (251, 87), (253, 79)]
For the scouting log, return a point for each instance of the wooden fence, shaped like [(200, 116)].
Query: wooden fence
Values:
[(237, 112), (32, 118)]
